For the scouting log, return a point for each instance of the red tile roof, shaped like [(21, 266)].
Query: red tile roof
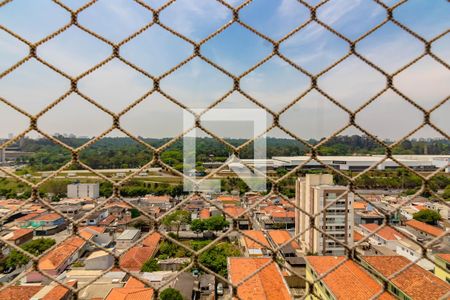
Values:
[(421, 226), (283, 214), (256, 235), (280, 237), (130, 294), (108, 220), (134, 259), (17, 234), (268, 283), (48, 217), (348, 281), (225, 198), (152, 240), (58, 256), (234, 211), (415, 282), (27, 217), (19, 292), (59, 292), (357, 236), (204, 214), (444, 256), (386, 233)]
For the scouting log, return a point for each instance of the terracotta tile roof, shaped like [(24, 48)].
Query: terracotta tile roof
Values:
[(234, 211), (431, 230), (59, 292), (108, 220), (58, 256), (27, 217), (204, 214), (266, 284), (130, 294), (134, 283), (134, 259), (357, 236), (359, 205), (283, 214), (225, 198), (386, 233), (257, 235), (48, 217), (348, 281), (415, 282), (17, 234), (444, 256), (19, 292), (152, 240), (280, 237)]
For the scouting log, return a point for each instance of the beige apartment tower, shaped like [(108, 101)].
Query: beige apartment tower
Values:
[(312, 193)]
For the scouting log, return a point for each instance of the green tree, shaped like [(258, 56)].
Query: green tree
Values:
[(198, 226), (150, 265), (38, 246), (170, 294), (428, 216), (177, 219), (134, 213), (446, 194), (216, 223), (216, 257)]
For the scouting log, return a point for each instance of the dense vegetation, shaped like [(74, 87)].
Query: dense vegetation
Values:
[(428, 216), (170, 294), (36, 247), (126, 153)]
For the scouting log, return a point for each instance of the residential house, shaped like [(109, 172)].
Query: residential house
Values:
[(98, 260), (412, 283), (348, 280), (234, 214), (96, 217), (127, 238), (20, 236), (47, 224), (442, 266), (386, 236), (424, 231), (20, 292), (267, 283), (163, 202), (134, 258), (282, 237), (57, 260), (413, 252), (254, 243), (55, 291), (133, 289)]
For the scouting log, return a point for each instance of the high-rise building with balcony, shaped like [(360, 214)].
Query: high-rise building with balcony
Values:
[(314, 193)]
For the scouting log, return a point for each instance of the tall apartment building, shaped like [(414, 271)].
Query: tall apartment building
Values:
[(313, 193), (83, 190)]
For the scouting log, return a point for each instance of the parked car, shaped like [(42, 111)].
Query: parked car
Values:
[(220, 289)]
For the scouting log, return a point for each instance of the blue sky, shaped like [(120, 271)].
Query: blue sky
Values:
[(197, 84)]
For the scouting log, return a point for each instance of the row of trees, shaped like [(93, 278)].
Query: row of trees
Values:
[(215, 223), (122, 152)]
